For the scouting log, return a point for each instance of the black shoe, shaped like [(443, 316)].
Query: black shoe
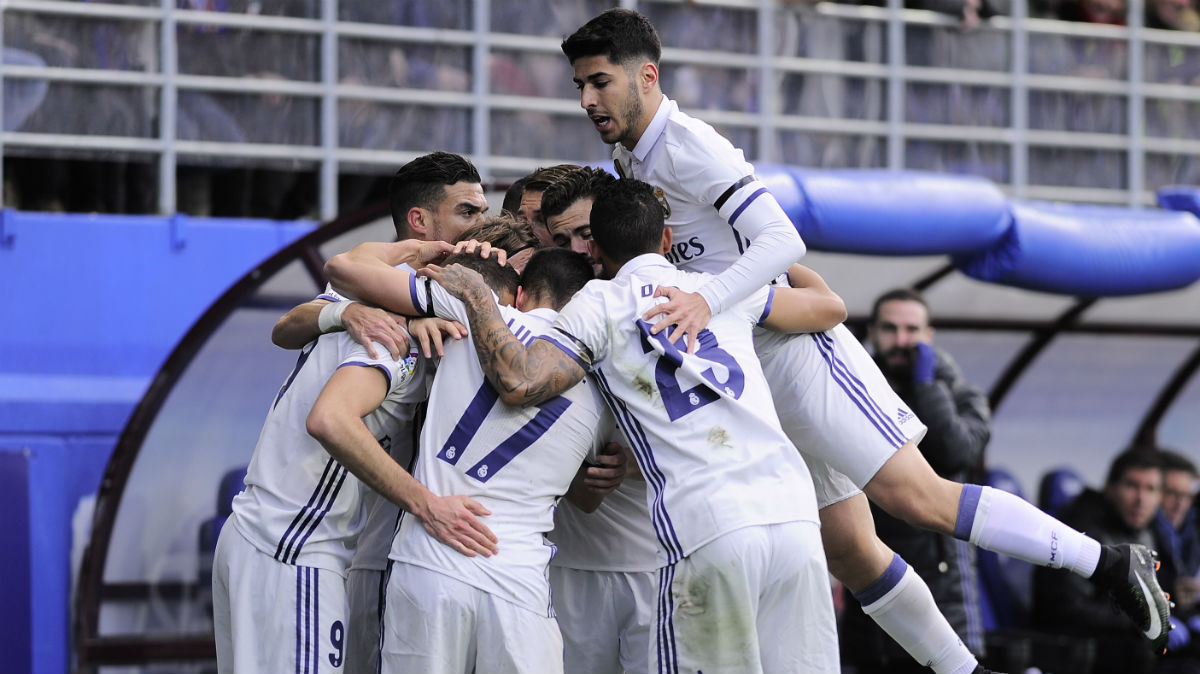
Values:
[(1134, 588), (980, 669)]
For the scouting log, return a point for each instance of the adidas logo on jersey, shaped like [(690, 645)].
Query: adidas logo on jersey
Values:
[(903, 415)]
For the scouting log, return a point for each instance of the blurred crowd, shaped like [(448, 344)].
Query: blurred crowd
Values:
[(78, 179)]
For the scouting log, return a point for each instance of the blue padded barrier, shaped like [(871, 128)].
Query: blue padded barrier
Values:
[(1180, 198), (1091, 251), (889, 213)]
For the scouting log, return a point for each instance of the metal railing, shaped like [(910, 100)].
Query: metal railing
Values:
[(1048, 109)]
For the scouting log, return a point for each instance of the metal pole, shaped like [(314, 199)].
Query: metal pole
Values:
[(766, 81), (168, 106), (895, 107), (1136, 102), (1020, 101), (329, 119), (481, 143)]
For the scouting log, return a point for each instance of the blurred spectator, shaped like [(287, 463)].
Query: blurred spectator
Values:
[(1093, 11), (1172, 15), (1178, 545), (957, 414), (1066, 604)]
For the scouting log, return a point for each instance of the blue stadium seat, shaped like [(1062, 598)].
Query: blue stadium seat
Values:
[(1058, 488), (1005, 583), (231, 483)]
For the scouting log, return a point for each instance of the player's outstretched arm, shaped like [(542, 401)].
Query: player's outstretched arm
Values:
[(809, 305), (368, 271), (336, 422), (366, 325), (522, 376)]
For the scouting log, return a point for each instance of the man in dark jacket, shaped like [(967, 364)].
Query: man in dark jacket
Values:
[(957, 415), (1122, 513)]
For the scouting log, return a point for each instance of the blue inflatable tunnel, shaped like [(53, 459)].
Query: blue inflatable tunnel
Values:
[(1180, 198), (877, 212), (1091, 251)]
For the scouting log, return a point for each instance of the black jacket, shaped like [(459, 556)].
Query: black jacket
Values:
[(1066, 603)]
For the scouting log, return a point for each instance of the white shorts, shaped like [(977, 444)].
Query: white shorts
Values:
[(754, 600), (364, 598), (436, 624), (605, 619), (274, 617), (836, 407)]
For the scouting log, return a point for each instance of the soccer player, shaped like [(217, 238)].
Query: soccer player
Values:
[(836, 407), (602, 575), (435, 197), (279, 601), (445, 612), (733, 509)]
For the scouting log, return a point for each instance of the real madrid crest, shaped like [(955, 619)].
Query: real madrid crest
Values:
[(662, 201)]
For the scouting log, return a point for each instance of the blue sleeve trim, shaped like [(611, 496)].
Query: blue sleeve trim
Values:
[(358, 363), (767, 309), (749, 200)]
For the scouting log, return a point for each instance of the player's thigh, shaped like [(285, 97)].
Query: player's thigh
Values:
[(283, 618), (835, 404), (583, 606), (365, 602), (796, 591), (514, 640), (429, 622), (224, 564), (707, 605), (634, 596)]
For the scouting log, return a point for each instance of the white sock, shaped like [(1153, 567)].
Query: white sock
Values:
[(900, 602), (1001, 522)]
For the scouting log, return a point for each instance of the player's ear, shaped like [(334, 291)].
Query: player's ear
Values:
[(417, 222), (666, 241), (521, 297), (648, 76)]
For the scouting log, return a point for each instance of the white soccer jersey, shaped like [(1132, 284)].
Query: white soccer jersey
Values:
[(714, 204), (616, 536), (701, 425), (383, 516), (300, 505), (515, 461)]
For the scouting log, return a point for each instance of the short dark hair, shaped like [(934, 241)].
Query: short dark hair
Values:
[(898, 294), (542, 178), (1137, 457), (627, 220), (422, 183), (512, 196), (582, 183), (556, 274), (502, 231), (622, 35), (499, 279), (1172, 460)]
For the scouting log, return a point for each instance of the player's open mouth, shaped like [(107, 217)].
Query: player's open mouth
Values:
[(601, 122)]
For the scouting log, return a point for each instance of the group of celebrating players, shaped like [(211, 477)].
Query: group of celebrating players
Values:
[(646, 346)]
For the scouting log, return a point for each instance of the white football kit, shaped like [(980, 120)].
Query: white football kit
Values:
[(603, 580), (836, 406), (731, 501), (447, 612), (365, 578), (280, 565)]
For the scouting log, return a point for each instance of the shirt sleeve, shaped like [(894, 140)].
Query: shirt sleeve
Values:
[(399, 373), (431, 299), (330, 294), (581, 329), (726, 181)]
